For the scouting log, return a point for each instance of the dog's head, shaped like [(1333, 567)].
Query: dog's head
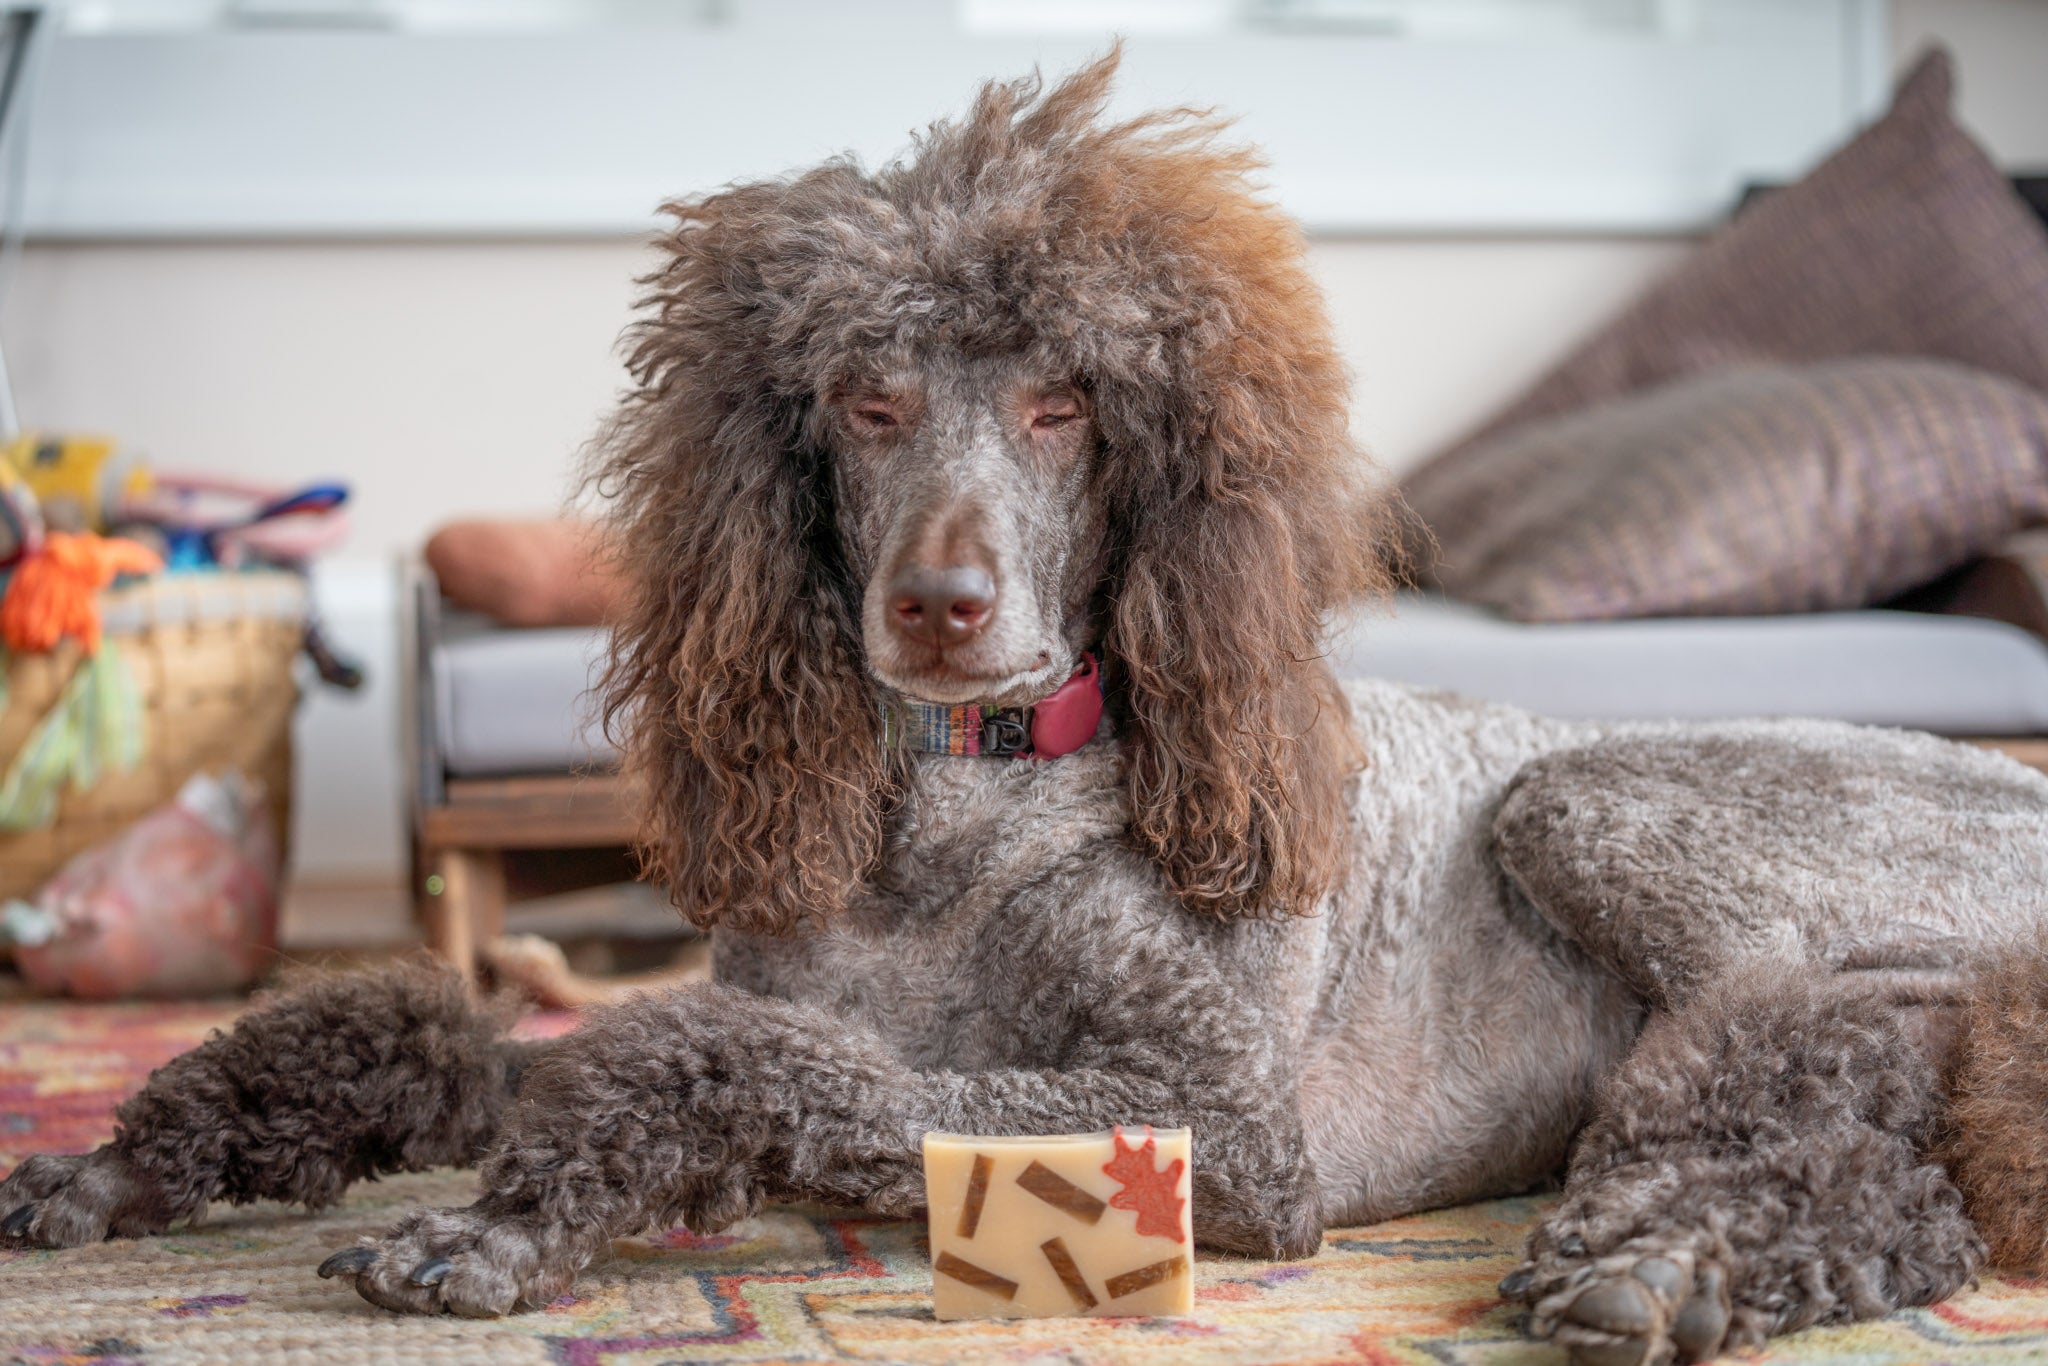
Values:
[(1048, 384)]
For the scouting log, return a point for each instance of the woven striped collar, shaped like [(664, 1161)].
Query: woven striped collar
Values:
[(932, 728), (1057, 725)]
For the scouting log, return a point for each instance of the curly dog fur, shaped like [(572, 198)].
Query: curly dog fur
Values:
[(1993, 1138), (318, 1086), (1812, 1171), (1380, 948)]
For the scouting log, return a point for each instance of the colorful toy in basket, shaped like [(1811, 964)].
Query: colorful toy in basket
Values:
[(195, 673), (204, 522), (54, 592), (90, 483), (94, 726), (21, 518), (207, 521), (73, 714), (82, 482)]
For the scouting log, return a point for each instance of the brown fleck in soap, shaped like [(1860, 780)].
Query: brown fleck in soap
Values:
[(1067, 1224)]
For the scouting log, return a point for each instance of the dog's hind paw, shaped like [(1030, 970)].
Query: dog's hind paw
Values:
[(1635, 1308), (69, 1199), (457, 1261)]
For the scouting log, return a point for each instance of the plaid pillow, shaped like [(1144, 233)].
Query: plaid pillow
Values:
[(1907, 241), (1753, 490)]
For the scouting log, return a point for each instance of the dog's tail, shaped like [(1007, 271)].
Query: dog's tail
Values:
[(1995, 1140)]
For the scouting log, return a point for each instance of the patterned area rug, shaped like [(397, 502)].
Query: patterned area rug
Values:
[(796, 1284)]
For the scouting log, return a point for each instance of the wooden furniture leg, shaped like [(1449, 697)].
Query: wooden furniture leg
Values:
[(2031, 750), (463, 835), (464, 903)]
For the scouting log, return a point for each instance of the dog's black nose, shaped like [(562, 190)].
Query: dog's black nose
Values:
[(947, 606)]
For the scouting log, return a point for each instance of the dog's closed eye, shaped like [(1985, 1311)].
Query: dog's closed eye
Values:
[(1056, 409)]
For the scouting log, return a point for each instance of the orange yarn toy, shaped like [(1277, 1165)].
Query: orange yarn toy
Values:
[(55, 592)]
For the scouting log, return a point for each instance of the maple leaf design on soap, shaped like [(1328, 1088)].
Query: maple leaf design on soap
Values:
[(1150, 1193)]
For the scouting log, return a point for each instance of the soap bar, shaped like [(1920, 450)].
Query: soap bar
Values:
[(1068, 1224)]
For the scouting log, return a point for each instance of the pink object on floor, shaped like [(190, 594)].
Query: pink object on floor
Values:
[(182, 904)]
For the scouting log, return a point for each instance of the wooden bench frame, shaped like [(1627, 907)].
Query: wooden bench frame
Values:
[(460, 891), (2031, 750)]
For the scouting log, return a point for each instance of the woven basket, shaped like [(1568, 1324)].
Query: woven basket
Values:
[(212, 657)]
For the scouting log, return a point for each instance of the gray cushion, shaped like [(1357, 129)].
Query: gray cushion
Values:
[(1956, 675), (519, 701), (510, 701)]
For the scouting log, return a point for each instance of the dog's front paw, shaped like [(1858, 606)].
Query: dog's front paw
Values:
[(1640, 1306), (459, 1261), (1286, 1231), (69, 1199)]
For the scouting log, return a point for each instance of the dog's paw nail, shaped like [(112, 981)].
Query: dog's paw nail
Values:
[(16, 1224), (347, 1262), (431, 1272), (1572, 1245), (1615, 1306), (1516, 1284)]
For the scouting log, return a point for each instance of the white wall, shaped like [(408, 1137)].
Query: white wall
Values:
[(438, 378), (460, 377), (453, 378), (1440, 331), (2001, 50)]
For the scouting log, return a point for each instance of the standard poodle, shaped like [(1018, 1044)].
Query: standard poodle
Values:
[(984, 515)]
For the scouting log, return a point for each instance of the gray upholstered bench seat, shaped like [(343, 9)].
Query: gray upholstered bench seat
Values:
[(517, 701), (1951, 674)]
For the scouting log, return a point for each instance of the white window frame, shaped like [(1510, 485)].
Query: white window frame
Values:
[(583, 131)]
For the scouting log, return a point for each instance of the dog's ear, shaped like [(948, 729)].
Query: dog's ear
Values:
[(735, 690), (1238, 738), (1245, 516)]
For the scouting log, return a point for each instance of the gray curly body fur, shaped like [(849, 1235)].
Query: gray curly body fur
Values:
[(315, 1089), (1754, 1160), (1381, 949)]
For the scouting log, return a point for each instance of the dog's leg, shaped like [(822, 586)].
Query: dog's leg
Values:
[(696, 1106), (1755, 1166), (315, 1087), (1674, 857)]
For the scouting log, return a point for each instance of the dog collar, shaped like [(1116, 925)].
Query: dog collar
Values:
[(1055, 725)]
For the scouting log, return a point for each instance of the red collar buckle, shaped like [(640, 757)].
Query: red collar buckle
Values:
[(1067, 720)]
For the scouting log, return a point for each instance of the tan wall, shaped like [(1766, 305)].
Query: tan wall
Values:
[(2001, 49), (460, 377)]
